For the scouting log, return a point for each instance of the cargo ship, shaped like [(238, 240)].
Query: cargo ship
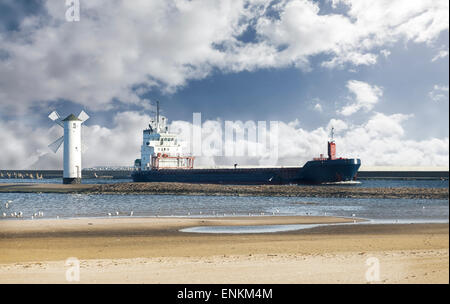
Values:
[(162, 161)]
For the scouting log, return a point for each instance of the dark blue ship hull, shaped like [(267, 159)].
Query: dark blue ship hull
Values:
[(329, 171), (316, 172)]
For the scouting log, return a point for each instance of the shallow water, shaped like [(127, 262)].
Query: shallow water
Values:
[(248, 228), (291, 227)]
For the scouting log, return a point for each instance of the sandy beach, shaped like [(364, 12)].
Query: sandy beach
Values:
[(153, 250)]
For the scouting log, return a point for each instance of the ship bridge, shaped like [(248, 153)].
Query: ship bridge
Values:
[(160, 149)]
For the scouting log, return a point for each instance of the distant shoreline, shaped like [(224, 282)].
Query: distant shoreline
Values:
[(229, 190)]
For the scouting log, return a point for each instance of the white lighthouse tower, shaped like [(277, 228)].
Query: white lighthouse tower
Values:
[(72, 145)]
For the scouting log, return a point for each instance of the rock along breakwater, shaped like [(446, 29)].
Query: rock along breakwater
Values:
[(232, 190)]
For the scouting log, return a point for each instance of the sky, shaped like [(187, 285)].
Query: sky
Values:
[(376, 71)]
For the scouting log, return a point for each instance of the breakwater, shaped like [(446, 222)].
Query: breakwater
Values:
[(271, 190), (231, 190), (126, 174)]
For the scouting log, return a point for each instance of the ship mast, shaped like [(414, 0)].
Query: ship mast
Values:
[(332, 146), (157, 116)]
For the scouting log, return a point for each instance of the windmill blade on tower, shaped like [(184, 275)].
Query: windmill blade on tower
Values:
[(54, 146), (56, 118), (83, 116)]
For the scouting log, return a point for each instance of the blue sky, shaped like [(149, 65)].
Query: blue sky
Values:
[(298, 62), (289, 93)]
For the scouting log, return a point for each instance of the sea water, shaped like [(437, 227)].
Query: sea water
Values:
[(56, 205)]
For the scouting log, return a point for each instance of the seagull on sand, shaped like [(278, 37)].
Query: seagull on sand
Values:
[(131, 213)]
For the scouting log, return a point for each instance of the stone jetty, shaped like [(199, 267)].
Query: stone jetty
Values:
[(232, 190)]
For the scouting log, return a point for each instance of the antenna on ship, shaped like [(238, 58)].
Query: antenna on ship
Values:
[(157, 116), (332, 134)]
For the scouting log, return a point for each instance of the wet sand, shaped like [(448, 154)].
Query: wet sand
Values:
[(152, 250), (231, 190)]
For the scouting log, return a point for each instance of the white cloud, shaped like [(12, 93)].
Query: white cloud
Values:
[(441, 54), (440, 88), (318, 107), (439, 92), (337, 124), (351, 57), (22, 145), (386, 126), (366, 96), (418, 21), (379, 141), (118, 46), (304, 32), (385, 53), (113, 48)]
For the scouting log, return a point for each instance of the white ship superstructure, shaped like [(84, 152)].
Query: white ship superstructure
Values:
[(160, 149)]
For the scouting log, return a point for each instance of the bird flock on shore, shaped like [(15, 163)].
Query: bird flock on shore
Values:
[(18, 214), (40, 214)]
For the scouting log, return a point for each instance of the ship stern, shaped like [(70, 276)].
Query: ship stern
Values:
[(329, 171)]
